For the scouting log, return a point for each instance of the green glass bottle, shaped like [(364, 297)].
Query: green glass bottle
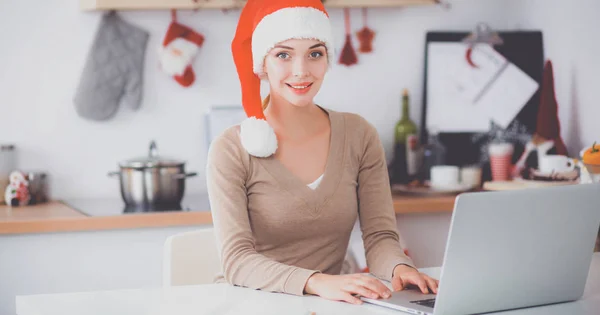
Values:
[(405, 126), (405, 166)]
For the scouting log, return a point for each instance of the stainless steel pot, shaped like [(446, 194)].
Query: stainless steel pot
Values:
[(152, 181)]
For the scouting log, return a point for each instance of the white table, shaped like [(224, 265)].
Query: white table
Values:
[(220, 299)]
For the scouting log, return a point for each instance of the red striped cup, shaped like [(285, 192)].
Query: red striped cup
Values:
[(500, 160)]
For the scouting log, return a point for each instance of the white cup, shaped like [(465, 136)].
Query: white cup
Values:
[(555, 164), (471, 176), (444, 176)]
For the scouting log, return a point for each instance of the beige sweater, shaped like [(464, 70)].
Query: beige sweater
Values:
[(273, 231)]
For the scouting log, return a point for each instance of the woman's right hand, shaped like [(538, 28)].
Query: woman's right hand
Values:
[(343, 287)]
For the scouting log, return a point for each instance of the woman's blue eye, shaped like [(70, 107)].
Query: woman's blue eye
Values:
[(316, 54), (283, 55)]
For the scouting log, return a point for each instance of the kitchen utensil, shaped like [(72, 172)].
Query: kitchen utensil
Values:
[(38, 186), (348, 55), (152, 181), (365, 35)]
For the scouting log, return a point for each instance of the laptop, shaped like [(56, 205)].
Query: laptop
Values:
[(512, 249)]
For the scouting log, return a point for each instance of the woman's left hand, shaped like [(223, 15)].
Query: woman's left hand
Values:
[(404, 275)]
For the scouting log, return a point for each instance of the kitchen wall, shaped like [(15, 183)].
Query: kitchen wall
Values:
[(571, 41), (45, 45)]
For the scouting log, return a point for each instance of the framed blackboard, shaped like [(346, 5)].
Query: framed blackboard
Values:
[(525, 50)]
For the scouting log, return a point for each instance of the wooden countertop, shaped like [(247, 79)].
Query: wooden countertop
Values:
[(57, 216)]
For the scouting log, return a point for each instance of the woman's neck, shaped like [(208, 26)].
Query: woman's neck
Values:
[(294, 122)]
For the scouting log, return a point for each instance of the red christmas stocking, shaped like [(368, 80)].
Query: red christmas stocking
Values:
[(178, 50)]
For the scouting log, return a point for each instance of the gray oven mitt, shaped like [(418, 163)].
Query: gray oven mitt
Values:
[(113, 69)]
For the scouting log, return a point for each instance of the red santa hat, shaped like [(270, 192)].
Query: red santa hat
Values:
[(262, 25), (179, 48)]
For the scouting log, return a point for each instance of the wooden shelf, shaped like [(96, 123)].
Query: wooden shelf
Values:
[(416, 204), (229, 4), (56, 216)]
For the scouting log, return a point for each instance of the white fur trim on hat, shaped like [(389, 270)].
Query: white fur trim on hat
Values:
[(290, 23), (258, 138)]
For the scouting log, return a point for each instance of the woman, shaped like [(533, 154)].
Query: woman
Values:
[(287, 185)]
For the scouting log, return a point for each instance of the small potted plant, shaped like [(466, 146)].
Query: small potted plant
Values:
[(591, 161)]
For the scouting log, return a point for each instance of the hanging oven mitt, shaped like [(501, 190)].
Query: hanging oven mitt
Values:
[(113, 69)]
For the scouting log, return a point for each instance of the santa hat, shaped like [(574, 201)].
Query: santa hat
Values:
[(548, 125), (179, 47), (262, 25)]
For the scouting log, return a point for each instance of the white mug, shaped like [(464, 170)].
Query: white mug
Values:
[(471, 176), (444, 176), (555, 164)]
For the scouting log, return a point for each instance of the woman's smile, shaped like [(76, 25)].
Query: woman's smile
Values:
[(300, 88)]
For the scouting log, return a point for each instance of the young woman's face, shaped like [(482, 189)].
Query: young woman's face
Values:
[(295, 69)]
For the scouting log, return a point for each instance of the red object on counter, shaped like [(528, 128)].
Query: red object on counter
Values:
[(548, 124)]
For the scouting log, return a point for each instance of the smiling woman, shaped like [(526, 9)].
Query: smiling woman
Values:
[(296, 68), (287, 185)]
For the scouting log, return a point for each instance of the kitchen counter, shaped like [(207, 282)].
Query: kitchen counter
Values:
[(90, 214)]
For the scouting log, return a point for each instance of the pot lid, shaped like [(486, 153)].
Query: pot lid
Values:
[(152, 160)]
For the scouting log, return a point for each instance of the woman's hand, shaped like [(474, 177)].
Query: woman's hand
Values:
[(342, 287), (404, 275)]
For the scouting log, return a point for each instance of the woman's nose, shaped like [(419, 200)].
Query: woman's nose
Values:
[(300, 68)]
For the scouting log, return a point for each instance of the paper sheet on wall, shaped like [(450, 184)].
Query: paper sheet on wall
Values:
[(509, 93), (463, 98), (448, 109), (218, 118)]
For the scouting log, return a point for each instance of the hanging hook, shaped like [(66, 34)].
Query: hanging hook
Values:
[(173, 15), (483, 33)]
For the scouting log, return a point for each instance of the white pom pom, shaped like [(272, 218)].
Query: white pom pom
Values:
[(258, 138)]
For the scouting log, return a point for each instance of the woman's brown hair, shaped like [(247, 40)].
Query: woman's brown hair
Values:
[(266, 101)]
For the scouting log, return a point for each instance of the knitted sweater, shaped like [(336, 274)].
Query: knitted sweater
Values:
[(273, 231)]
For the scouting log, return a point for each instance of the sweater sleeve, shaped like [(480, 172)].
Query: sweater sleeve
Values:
[(241, 264), (376, 210)]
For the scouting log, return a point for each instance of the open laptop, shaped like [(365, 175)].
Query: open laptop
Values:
[(512, 249)]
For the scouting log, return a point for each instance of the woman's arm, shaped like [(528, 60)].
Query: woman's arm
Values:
[(226, 175), (376, 212)]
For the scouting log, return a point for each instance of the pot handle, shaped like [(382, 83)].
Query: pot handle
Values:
[(114, 173), (180, 176)]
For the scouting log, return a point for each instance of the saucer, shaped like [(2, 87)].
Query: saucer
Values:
[(426, 189), (538, 175), (519, 183), (456, 188)]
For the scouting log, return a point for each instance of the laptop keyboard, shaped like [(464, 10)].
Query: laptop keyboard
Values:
[(428, 302)]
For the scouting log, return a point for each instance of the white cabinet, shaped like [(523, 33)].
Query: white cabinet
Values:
[(80, 261)]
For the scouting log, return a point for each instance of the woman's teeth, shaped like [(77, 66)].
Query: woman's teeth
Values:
[(299, 87)]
